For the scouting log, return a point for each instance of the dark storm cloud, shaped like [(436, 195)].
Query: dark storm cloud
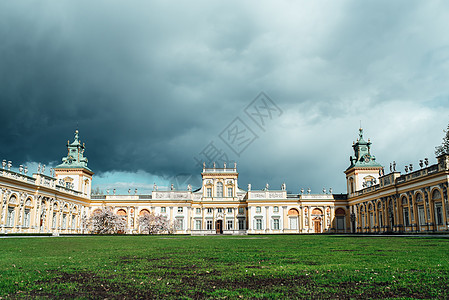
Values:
[(150, 84)]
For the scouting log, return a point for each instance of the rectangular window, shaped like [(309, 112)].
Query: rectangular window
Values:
[(163, 209), (64, 221), (180, 224), (73, 222), (229, 224), (209, 192), (198, 224), (293, 223), (258, 209), (10, 217), (209, 210), (219, 210), (438, 214), (340, 222), (53, 223), (259, 224), (230, 192), (26, 222), (198, 211), (276, 224), (371, 220), (241, 224), (229, 210), (381, 222), (241, 210), (406, 220), (180, 209), (209, 224), (276, 209)]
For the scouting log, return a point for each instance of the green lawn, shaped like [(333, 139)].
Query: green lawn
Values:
[(293, 266)]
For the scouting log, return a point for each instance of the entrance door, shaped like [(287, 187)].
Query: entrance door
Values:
[(219, 227), (421, 218), (317, 225)]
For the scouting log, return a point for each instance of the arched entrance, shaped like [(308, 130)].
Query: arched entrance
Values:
[(317, 215), (293, 214), (219, 227), (340, 219)]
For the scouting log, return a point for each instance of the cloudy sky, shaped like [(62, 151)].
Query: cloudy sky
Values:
[(150, 85)]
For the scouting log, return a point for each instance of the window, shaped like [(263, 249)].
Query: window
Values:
[(54, 220), (406, 220), (241, 224), (276, 209), (209, 224), (229, 224), (293, 223), (438, 213), (10, 217), (241, 210), (179, 224), (198, 224), (258, 210), (219, 210), (180, 209), (64, 221), (209, 210), (73, 222), (258, 224), (230, 210), (219, 190), (198, 211), (276, 224), (163, 209), (230, 192), (26, 221), (209, 192), (340, 222), (381, 223)]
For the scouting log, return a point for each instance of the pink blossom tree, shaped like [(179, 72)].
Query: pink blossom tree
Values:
[(152, 223), (104, 221)]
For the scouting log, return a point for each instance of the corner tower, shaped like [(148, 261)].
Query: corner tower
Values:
[(73, 173), (363, 170)]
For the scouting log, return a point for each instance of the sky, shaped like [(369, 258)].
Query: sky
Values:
[(278, 87)]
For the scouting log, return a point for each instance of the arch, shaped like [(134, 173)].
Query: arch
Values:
[(56, 206), (379, 205), (317, 211), (144, 212), (13, 200), (418, 197), (404, 200), (340, 212), (97, 211), (121, 212), (66, 208), (293, 212), (370, 207), (219, 189), (29, 202), (436, 195)]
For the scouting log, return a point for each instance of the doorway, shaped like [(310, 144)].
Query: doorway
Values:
[(421, 218), (317, 225), (219, 227)]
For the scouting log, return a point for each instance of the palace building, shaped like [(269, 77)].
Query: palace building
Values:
[(375, 202)]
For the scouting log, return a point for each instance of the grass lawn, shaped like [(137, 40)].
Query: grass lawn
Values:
[(293, 266)]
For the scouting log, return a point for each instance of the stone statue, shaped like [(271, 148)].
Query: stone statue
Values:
[(204, 165), (43, 168), (155, 187), (267, 186), (249, 187), (283, 186), (394, 166), (224, 165), (308, 191), (330, 191), (391, 168), (302, 190), (172, 187), (189, 187), (324, 190)]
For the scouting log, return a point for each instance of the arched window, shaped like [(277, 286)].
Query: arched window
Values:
[(438, 207), (144, 212), (219, 190), (340, 218)]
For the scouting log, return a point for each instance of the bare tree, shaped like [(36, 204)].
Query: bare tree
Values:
[(104, 221), (444, 148), (151, 223)]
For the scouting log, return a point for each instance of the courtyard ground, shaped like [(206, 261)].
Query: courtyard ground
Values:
[(232, 267)]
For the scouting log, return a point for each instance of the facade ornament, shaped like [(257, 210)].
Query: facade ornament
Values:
[(43, 168), (129, 191), (283, 186), (214, 165), (9, 165), (330, 191), (406, 169), (204, 165), (189, 187), (324, 190), (391, 168), (25, 170), (235, 165), (394, 166), (411, 167), (114, 191), (302, 190), (20, 169), (224, 165), (267, 186), (135, 191), (172, 187), (155, 187), (308, 191), (4, 163), (39, 168), (421, 164), (426, 161), (249, 187)]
